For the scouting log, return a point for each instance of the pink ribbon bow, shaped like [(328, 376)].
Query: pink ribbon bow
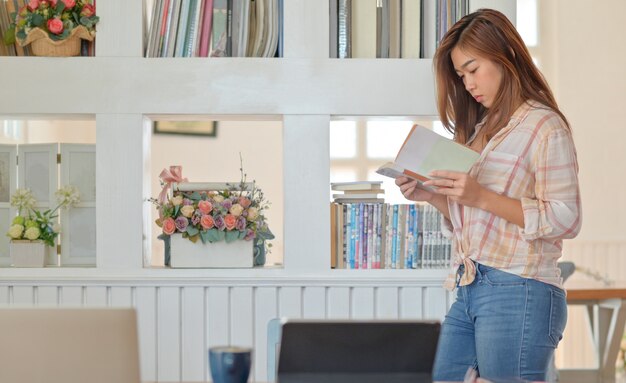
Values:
[(174, 174)]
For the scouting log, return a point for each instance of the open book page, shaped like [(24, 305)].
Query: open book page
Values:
[(424, 151)]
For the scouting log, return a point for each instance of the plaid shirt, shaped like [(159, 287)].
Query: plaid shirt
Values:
[(532, 159)]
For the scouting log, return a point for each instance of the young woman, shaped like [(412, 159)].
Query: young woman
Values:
[(509, 215)]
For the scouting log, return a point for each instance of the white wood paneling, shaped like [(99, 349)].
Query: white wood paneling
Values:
[(241, 316), (338, 303), (179, 320), (168, 334), (96, 296), (193, 342), (435, 303), (314, 302), (4, 295), (362, 303), (146, 306), (411, 303), (218, 316), (265, 309), (72, 296), (386, 302), (48, 296), (290, 302), (22, 295)]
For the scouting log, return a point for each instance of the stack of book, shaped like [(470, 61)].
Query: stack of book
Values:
[(391, 28), (216, 28), (359, 191)]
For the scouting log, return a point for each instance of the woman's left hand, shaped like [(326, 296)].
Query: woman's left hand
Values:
[(459, 187)]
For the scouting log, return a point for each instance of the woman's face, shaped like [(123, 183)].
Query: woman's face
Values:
[(481, 77)]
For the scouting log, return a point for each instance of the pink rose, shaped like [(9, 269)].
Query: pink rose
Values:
[(69, 4), (205, 207), (230, 221), (88, 10), (52, 2), (55, 26), (244, 202), (33, 4), (207, 222), (169, 226)]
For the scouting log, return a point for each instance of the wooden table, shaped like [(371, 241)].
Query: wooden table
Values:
[(606, 311)]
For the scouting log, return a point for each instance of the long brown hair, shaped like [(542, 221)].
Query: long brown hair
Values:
[(488, 34)]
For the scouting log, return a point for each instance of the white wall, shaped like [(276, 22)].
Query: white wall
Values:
[(584, 59), (588, 72)]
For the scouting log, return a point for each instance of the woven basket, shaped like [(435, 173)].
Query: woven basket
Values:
[(42, 45)]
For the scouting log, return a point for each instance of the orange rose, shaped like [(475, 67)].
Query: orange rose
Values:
[(169, 226), (207, 221), (230, 221)]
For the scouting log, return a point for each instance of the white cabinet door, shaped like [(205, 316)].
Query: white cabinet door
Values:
[(78, 233), (8, 183)]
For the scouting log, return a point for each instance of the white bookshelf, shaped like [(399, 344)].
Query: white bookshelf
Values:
[(122, 91), (305, 89)]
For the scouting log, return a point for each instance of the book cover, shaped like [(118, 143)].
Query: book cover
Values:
[(424, 151), (339, 197), (364, 29), (411, 29), (356, 185)]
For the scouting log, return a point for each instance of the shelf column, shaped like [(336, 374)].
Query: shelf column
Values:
[(306, 171), (120, 190)]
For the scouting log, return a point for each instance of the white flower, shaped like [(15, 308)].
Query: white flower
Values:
[(68, 196), (15, 231), (23, 199), (32, 233), (218, 198), (253, 213), (236, 210), (187, 211), (177, 200)]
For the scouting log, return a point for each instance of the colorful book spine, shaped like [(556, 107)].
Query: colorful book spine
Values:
[(365, 237), (353, 235), (394, 238)]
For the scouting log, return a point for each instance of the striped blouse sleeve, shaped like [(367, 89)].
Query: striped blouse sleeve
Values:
[(555, 212)]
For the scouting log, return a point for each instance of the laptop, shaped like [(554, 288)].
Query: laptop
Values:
[(68, 345), (332, 351)]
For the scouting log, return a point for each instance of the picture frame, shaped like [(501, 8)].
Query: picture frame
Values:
[(187, 128)]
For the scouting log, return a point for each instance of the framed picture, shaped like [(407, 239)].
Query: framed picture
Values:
[(190, 128)]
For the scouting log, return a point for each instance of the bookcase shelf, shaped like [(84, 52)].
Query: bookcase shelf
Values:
[(304, 89)]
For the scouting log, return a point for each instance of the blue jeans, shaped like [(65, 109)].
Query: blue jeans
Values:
[(503, 325)]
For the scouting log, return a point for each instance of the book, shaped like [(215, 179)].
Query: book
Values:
[(339, 197), (356, 185), (424, 151)]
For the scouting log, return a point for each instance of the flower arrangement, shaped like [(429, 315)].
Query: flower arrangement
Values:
[(236, 213), (32, 224), (57, 18)]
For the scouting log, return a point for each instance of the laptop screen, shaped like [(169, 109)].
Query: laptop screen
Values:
[(364, 348)]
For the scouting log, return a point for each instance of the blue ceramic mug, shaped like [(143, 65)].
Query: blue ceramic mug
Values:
[(230, 364)]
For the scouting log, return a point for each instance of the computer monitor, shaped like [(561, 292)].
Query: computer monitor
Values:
[(391, 351), (69, 345)]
